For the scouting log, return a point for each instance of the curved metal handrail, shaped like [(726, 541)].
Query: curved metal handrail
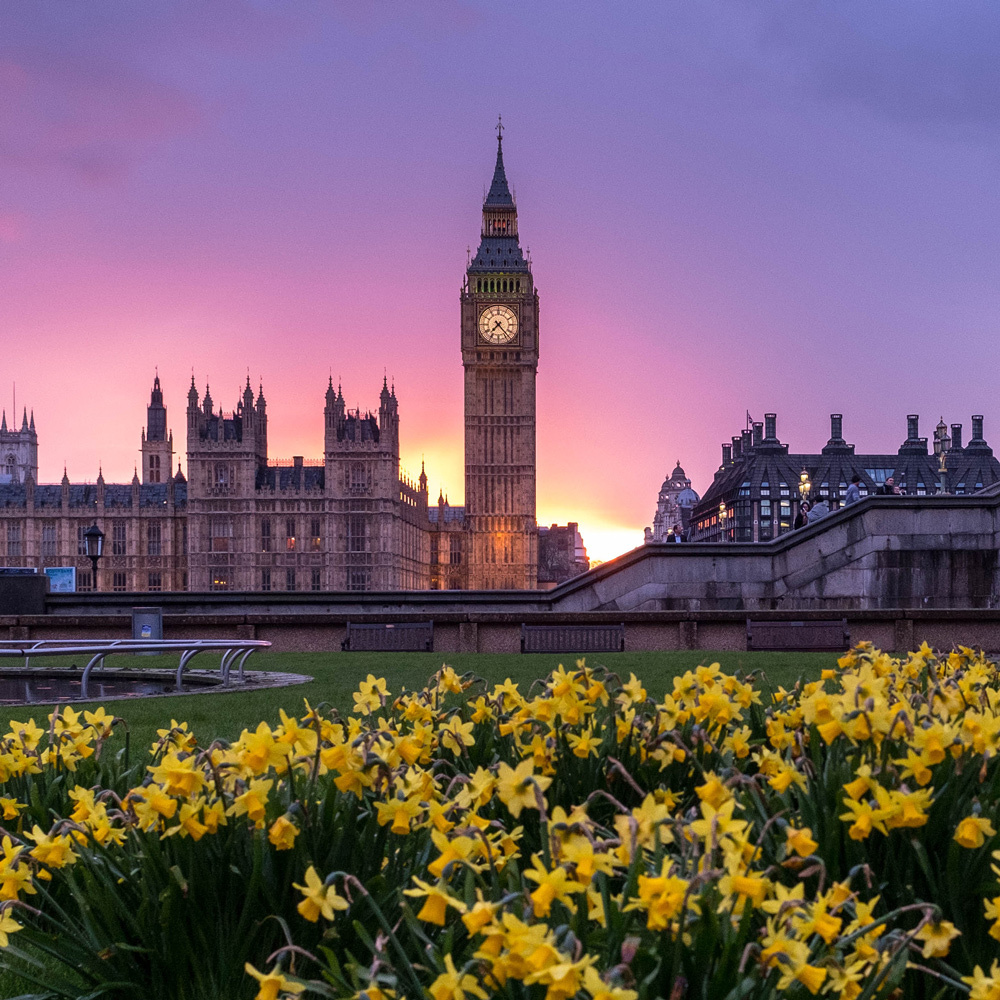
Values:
[(98, 649)]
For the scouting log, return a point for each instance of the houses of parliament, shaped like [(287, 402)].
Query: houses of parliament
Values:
[(349, 521)]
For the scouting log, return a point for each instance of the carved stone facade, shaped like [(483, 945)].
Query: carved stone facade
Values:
[(349, 521), (673, 507), (18, 451), (561, 554), (145, 527), (499, 306)]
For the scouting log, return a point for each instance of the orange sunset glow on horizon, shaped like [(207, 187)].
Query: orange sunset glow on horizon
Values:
[(720, 222)]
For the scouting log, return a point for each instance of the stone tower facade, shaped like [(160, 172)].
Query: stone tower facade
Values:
[(157, 442), (226, 454), (673, 507), (377, 542), (499, 336), (18, 451)]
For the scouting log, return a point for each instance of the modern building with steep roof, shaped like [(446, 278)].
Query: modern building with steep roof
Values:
[(759, 487)]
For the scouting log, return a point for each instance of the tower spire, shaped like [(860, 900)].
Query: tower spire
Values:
[(498, 195)]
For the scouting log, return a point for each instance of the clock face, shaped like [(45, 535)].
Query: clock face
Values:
[(498, 325)]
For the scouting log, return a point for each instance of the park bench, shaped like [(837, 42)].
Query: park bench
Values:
[(391, 637), (830, 635), (572, 638)]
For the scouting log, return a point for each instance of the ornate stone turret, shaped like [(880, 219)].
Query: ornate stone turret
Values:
[(388, 416), (673, 507), (18, 450), (157, 443)]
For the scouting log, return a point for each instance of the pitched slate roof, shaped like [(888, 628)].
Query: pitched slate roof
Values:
[(499, 193), (498, 253), (311, 477), (85, 495), (768, 465), (451, 514)]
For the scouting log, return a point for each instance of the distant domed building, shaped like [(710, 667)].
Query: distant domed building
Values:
[(673, 506)]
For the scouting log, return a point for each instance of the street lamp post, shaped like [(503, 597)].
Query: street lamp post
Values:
[(93, 546), (804, 487), (723, 514), (943, 472)]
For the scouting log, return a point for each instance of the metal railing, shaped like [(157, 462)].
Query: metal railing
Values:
[(233, 651)]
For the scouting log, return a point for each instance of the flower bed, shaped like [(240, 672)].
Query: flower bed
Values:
[(577, 840)]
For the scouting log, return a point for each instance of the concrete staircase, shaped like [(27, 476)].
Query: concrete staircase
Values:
[(885, 552)]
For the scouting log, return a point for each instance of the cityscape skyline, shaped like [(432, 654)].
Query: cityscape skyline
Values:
[(293, 192)]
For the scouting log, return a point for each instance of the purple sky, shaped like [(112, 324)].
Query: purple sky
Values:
[(729, 205)]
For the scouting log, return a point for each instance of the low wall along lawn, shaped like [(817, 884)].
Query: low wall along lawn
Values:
[(599, 835)]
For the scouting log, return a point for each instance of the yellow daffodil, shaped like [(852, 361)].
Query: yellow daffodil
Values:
[(453, 985), (552, 886), (283, 833), (8, 926), (982, 986), (800, 841), (320, 900), (273, 983), (10, 807), (53, 851), (519, 787), (936, 936), (436, 902), (973, 831)]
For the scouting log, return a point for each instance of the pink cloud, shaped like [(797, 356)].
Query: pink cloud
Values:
[(95, 119)]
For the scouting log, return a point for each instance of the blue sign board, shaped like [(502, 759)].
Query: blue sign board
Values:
[(62, 579)]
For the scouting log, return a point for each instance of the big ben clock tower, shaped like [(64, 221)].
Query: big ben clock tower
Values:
[(500, 357)]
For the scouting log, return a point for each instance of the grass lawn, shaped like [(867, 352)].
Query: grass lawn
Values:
[(336, 676)]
